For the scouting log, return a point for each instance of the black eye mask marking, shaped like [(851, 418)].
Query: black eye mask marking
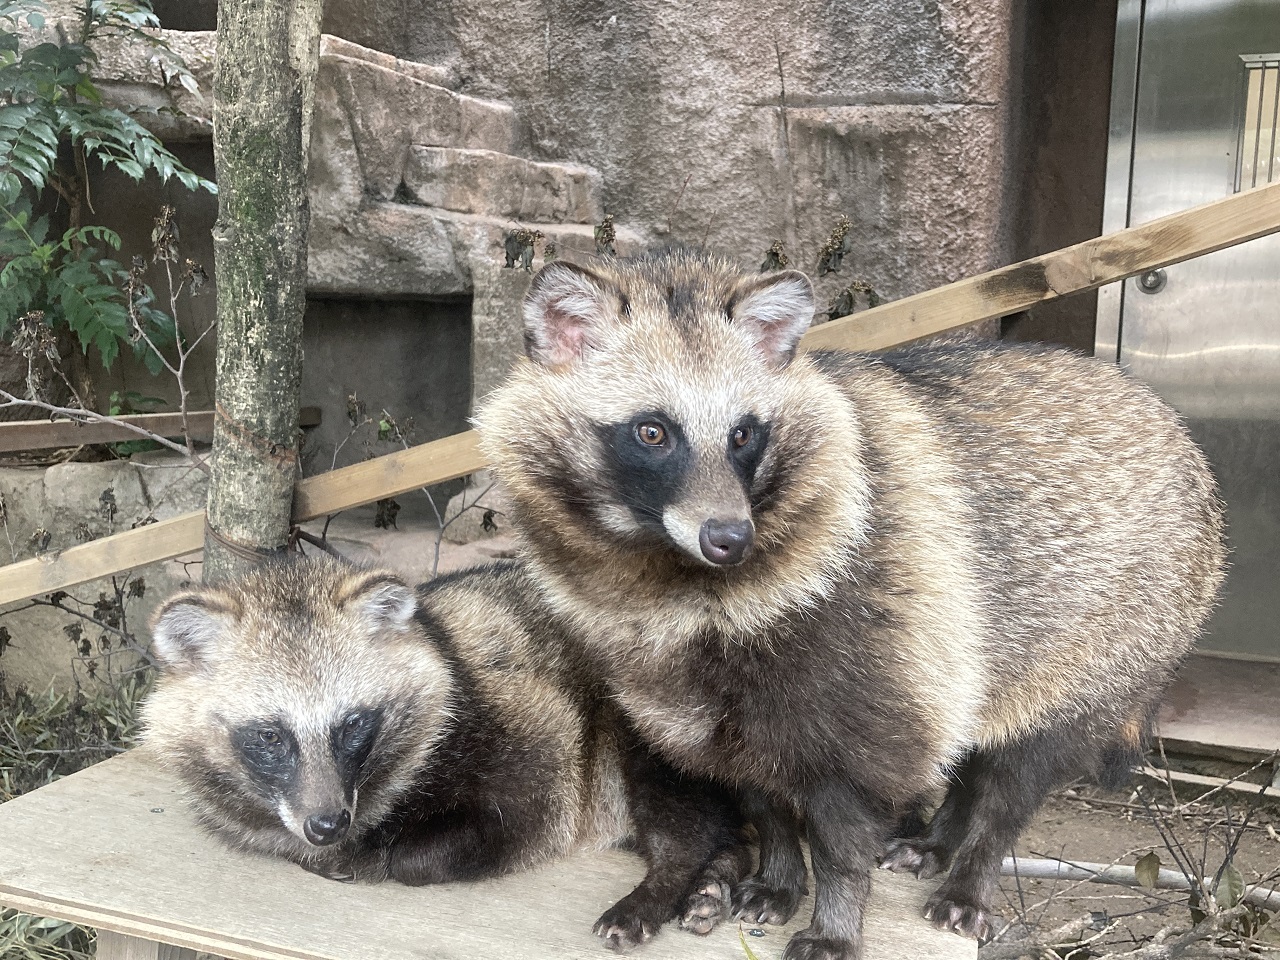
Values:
[(269, 751), (352, 740), (642, 477), (746, 458)]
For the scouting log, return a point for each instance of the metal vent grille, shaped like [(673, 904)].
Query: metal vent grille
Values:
[(1257, 163)]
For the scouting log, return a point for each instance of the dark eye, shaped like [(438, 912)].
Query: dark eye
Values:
[(355, 730), (269, 738), (742, 436), (651, 434)]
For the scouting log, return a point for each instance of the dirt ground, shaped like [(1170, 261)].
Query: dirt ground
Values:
[(1087, 825)]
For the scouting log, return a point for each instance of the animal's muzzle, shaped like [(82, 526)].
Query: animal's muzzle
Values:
[(326, 828), (726, 542)]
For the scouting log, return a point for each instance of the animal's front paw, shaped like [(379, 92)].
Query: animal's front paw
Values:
[(913, 856), (628, 923), (706, 907), (758, 902), (949, 910), (806, 945), (339, 871)]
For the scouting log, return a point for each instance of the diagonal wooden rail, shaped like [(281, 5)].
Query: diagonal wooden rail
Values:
[(1075, 269)]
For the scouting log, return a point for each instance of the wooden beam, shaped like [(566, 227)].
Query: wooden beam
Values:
[(1085, 266), (19, 435), (101, 558), (1075, 269), (43, 434), (421, 466)]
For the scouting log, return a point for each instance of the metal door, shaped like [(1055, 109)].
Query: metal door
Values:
[(1194, 110)]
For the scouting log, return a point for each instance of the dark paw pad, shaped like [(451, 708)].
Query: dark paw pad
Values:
[(624, 926), (910, 856), (758, 902), (959, 915), (705, 908), (806, 946)]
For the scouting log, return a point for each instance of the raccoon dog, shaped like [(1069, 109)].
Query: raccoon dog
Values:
[(329, 715), (842, 581)]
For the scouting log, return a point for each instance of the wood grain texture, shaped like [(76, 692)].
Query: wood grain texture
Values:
[(387, 476), (1075, 269), (115, 847), (127, 550), (45, 434), (116, 946)]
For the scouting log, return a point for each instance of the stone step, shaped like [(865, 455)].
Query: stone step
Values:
[(427, 72), (407, 250), (389, 112), (499, 185)]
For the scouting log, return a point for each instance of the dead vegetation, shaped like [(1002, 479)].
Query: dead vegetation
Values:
[(1186, 874)]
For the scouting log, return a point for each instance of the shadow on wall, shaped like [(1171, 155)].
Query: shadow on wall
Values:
[(187, 14), (411, 358)]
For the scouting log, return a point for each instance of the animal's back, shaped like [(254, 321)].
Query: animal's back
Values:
[(1092, 518)]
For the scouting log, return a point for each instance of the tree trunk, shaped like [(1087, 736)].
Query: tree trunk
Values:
[(268, 54)]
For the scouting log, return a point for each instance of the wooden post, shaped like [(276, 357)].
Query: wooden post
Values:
[(268, 55)]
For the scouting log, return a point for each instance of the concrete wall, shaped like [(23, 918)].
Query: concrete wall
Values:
[(411, 358)]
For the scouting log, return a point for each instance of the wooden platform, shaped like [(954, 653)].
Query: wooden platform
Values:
[(1225, 703), (114, 847)]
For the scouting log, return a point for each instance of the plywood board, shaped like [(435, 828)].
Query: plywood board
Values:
[(115, 847)]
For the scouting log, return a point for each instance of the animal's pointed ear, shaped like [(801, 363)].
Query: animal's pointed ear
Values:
[(380, 597), (186, 630), (776, 309), (563, 310)]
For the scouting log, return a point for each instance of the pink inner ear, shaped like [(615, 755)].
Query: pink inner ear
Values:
[(566, 333), (777, 315)]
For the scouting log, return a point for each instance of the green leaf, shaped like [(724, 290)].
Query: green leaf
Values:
[(1147, 870), (1230, 887)]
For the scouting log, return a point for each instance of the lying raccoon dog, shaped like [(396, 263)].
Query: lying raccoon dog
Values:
[(329, 715), (843, 581)]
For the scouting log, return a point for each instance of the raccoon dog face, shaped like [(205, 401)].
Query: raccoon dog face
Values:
[(297, 721), (661, 380)]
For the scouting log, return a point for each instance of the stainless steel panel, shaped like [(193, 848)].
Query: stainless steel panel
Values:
[(1209, 338)]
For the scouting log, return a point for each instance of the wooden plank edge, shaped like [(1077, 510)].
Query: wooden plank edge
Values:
[(193, 938), (388, 476), (21, 435), (1219, 783), (126, 550), (1076, 269)]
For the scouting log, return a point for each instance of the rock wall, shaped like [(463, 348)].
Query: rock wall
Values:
[(49, 509), (896, 113)]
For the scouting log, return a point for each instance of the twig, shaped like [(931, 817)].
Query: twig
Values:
[(1047, 869), (676, 206)]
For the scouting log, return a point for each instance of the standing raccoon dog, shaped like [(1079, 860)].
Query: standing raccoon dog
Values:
[(842, 581), (328, 715)]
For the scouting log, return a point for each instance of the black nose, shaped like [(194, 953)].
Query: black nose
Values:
[(327, 828), (726, 541)]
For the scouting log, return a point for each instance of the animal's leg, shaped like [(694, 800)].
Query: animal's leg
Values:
[(927, 852), (772, 895), (1005, 787), (689, 832), (846, 829)]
